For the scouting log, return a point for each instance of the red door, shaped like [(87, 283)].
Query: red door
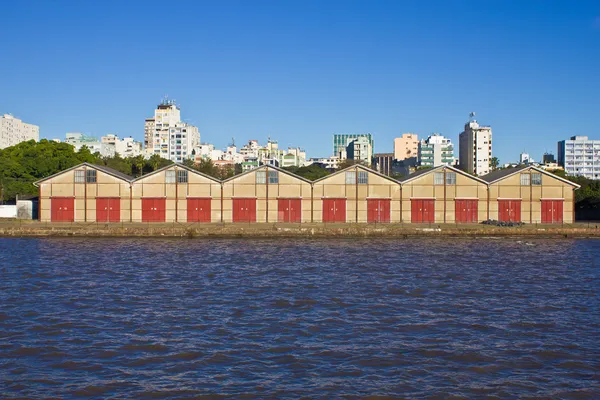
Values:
[(509, 210), (552, 211), (422, 210), (244, 210), (378, 210), (108, 209), (62, 209), (289, 210), (334, 210), (198, 209), (154, 209), (465, 210)]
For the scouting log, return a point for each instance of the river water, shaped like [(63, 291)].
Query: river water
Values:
[(287, 318)]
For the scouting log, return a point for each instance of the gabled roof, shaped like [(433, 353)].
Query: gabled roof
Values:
[(498, 175), (112, 172), (503, 173), (178, 165), (106, 170), (270, 167), (359, 166), (422, 172)]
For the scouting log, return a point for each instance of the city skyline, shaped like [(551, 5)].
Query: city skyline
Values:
[(302, 72)]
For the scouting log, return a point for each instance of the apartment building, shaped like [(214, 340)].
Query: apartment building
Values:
[(14, 131), (436, 150), (360, 149), (126, 147), (341, 142), (406, 148), (580, 156), (475, 149), (167, 136)]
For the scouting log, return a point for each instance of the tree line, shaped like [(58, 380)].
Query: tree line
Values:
[(30, 161)]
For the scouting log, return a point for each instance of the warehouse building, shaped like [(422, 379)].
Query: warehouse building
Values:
[(267, 194), (176, 193), (532, 195), (85, 193), (356, 194), (443, 195)]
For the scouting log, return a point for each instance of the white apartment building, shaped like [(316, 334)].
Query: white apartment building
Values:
[(332, 162), (525, 158), (436, 150), (360, 149), (14, 131), (167, 136), (78, 140), (580, 156), (475, 149), (126, 147)]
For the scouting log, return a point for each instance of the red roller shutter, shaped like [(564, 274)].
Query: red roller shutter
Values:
[(108, 209), (466, 210), (154, 209), (62, 209), (289, 210), (244, 210), (509, 210), (334, 210), (422, 210), (378, 210), (198, 209), (552, 211)]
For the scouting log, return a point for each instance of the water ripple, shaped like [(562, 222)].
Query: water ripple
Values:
[(291, 318)]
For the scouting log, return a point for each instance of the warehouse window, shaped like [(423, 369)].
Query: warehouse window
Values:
[(525, 179), (90, 176), (80, 176), (536, 179), (438, 178), (170, 176), (273, 177), (261, 177), (182, 176), (363, 178), (350, 177), (450, 178)]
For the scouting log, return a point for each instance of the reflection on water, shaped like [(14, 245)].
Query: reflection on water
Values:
[(292, 317)]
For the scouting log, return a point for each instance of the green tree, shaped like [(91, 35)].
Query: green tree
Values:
[(138, 162), (155, 161), (311, 172), (494, 163)]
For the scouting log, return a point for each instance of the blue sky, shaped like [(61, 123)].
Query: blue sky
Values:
[(300, 71)]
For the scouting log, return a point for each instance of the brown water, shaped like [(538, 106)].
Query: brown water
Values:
[(286, 318)]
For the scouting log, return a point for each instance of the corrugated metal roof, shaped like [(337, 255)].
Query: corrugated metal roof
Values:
[(419, 173), (112, 171), (501, 173)]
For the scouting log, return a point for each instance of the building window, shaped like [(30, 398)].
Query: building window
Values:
[(350, 177), (80, 176), (438, 178), (261, 177), (363, 178), (182, 176), (170, 176), (525, 179), (273, 177), (90, 176), (450, 178), (536, 179)]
